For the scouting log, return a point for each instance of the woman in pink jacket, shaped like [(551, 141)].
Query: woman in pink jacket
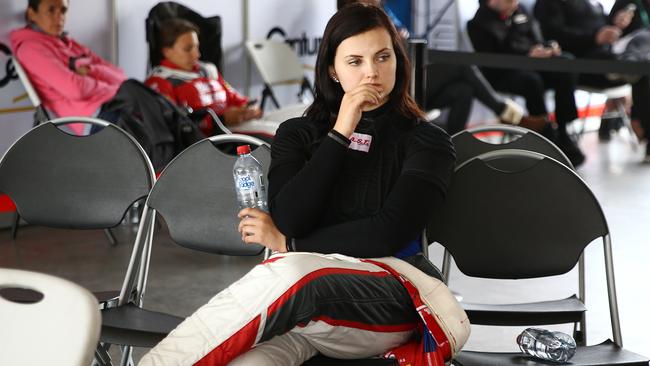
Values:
[(70, 79)]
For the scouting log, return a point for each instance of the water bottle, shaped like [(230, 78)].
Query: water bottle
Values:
[(249, 180), (547, 345)]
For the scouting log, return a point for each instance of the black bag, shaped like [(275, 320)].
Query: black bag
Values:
[(158, 125)]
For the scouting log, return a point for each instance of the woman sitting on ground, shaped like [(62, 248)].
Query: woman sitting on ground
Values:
[(359, 176), (188, 82)]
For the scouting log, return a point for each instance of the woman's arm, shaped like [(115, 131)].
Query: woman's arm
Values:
[(104, 70), (40, 62), (300, 184), (417, 193), (401, 219)]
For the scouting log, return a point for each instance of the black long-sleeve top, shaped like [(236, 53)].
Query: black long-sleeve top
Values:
[(572, 23), (489, 32), (329, 198), (638, 21)]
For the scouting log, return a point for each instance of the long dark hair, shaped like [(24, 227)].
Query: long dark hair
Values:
[(351, 20), (34, 4), (173, 28)]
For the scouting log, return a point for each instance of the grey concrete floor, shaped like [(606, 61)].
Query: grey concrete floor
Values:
[(181, 280)]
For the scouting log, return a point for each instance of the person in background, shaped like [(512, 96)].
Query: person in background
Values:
[(347, 181), (630, 15), (502, 26), (194, 84), (70, 79), (582, 28)]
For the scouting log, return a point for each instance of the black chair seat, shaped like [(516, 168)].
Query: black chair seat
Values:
[(321, 360), (131, 325), (606, 353), (567, 310)]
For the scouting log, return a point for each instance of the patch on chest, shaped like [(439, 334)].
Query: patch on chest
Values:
[(520, 19), (360, 142)]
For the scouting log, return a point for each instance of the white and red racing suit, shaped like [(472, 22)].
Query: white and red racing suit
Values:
[(295, 305)]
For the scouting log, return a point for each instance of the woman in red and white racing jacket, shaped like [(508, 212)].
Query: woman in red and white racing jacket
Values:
[(188, 82)]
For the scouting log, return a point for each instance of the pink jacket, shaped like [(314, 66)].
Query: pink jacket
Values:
[(48, 60)]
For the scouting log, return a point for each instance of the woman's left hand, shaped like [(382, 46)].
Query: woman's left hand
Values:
[(256, 226)]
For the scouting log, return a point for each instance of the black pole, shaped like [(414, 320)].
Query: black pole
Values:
[(418, 54)]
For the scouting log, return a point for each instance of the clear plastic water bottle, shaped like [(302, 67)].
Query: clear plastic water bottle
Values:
[(249, 180), (547, 345)]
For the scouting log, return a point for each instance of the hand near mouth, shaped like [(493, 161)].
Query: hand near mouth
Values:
[(363, 98)]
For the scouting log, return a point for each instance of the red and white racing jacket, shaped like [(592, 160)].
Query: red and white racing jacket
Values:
[(203, 87)]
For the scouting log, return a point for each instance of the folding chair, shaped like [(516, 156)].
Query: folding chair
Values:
[(195, 196), (278, 64), (468, 144), (617, 94), (76, 182), (490, 237), (60, 327), (41, 114)]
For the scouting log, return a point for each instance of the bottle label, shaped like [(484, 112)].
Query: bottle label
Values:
[(246, 183)]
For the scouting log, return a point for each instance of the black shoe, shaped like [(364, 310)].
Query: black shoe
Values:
[(571, 150), (605, 129), (604, 134)]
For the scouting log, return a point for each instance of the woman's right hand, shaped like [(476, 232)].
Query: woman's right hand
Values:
[(608, 35), (236, 115), (82, 70), (539, 51), (363, 97)]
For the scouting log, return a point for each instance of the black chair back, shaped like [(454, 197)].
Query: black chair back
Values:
[(195, 195), (76, 182), (468, 145), (514, 214)]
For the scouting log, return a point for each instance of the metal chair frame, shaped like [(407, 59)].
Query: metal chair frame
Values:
[(501, 162)]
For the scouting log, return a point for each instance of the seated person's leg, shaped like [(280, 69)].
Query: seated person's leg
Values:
[(334, 301), (457, 96), (564, 86), (641, 106), (565, 111), (286, 349), (528, 84), (483, 91)]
